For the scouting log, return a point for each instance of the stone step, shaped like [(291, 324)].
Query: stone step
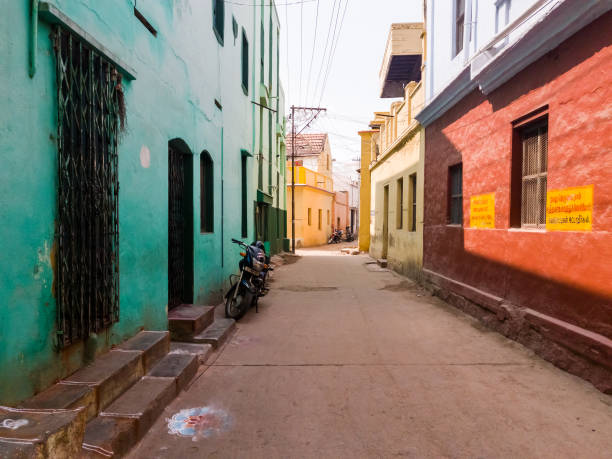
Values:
[(109, 375), (181, 367), (216, 333), (109, 437), (143, 402), (202, 351), (41, 433), (382, 262), (65, 396), (187, 320), (154, 345)]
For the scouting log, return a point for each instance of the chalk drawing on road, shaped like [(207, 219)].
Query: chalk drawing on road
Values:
[(14, 424), (202, 422)]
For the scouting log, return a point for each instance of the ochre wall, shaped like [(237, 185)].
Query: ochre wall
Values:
[(364, 191), (567, 275)]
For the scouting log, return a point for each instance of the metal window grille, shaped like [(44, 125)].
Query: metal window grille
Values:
[(413, 190), (207, 221), (534, 140), (459, 20), (456, 194), (399, 220), (89, 108), (219, 18)]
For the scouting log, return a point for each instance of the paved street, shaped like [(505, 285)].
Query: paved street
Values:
[(345, 359)]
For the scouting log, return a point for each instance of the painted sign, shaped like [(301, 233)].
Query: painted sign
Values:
[(570, 209), (482, 211)]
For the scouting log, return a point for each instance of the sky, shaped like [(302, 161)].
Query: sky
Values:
[(351, 92)]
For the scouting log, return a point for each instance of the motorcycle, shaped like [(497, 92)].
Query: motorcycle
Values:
[(251, 283), (336, 237), (349, 235)]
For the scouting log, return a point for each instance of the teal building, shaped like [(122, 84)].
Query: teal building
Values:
[(138, 138)]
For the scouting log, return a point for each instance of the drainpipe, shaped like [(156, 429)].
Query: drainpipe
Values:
[(33, 37)]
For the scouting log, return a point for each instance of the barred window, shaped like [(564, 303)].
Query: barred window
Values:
[(399, 210), (309, 216), (320, 218), (245, 63), (413, 193), (534, 171), (455, 208), (218, 19), (206, 193), (459, 19)]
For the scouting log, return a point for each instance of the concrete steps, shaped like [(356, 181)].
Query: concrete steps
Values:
[(187, 320), (190, 323), (217, 333), (103, 409)]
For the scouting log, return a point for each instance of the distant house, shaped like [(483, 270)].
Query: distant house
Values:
[(312, 151)]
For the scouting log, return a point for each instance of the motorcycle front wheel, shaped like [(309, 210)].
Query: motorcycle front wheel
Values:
[(236, 307)]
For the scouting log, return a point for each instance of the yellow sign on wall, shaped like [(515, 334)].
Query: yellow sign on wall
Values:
[(482, 211), (570, 209)]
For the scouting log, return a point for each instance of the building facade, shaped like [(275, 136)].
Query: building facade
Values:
[(123, 130), (517, 173), (396, 171), (314, 202)]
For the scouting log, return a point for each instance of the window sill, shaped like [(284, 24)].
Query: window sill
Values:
[(202, 233), (454, 225), (527, 230)]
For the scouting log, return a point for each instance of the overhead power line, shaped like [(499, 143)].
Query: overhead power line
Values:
[(331, 63), (331, 20), (297, 2), (314, 45)]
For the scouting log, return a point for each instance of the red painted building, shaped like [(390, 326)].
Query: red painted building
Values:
[(510, 232)]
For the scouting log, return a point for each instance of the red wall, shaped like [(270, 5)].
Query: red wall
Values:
[(567, 275)]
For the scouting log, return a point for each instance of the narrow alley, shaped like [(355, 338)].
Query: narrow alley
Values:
[(347, 359)]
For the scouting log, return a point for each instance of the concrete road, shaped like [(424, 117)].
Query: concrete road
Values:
[(348, 360)]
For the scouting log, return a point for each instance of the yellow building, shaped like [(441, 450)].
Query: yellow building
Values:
[(314, 198), (392, 175)]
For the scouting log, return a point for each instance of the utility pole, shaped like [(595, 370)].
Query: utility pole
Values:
[(317, 111)]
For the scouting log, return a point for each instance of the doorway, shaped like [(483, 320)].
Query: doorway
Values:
[(180, 224), (385, 241)]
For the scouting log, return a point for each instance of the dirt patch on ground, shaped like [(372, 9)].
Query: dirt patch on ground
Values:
[(306, 288), (401, 287), (289, 258)]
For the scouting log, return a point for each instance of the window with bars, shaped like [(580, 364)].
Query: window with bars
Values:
[(320, 219), (413, 193), (455, 183), (90, 115), (244, 186), (309, 216), (206, 194), (399, 204), (534, 171), (245, 63), (218, 19), (459, 21)]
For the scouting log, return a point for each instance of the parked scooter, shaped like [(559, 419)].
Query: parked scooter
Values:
[(349, 235), (335, 237), (251, 283)]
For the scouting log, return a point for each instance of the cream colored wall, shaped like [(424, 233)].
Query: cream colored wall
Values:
[(402, 158), (364, 190)]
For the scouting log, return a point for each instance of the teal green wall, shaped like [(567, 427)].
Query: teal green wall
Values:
[(180, 73), (272, 147)]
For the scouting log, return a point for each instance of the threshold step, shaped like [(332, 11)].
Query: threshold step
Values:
[(153, 345), (65, 396), (181, 367), (41, 433), (109, 437), (109, 375), (187, 320), (216, 333), (202, 351)]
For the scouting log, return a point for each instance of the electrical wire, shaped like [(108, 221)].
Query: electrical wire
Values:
[(325, 48), (298, 2), (314, 44), (334, 52)]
